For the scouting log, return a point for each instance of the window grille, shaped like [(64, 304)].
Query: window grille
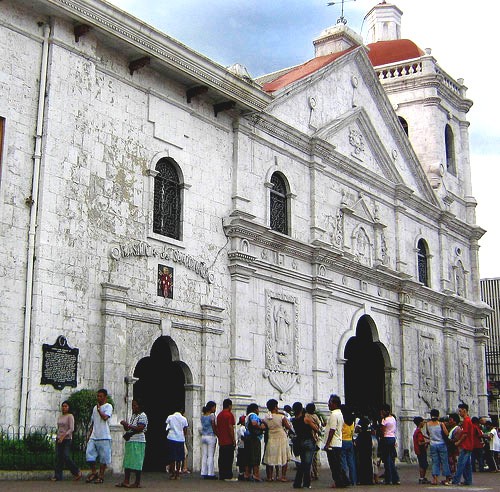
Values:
[(167, 200), (279, 205), (423, 263)]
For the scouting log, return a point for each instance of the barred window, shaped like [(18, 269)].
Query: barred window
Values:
[(423, 262), (167, 200), (279, 205)]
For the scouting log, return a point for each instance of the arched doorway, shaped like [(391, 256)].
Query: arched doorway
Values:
[(364, 371), (160, 387)]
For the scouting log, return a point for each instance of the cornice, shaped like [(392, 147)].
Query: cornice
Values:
[(118, 24)]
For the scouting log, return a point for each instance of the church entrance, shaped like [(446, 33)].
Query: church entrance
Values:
[(160, 388), (364, 371)]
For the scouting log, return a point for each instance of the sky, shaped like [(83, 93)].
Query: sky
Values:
[(265, 36)]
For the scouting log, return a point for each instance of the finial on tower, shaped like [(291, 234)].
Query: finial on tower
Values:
[(341, 19)]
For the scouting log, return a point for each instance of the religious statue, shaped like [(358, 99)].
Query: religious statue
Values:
[(282, 332)]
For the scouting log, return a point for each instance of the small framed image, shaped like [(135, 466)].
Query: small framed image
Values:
[(166, 281)]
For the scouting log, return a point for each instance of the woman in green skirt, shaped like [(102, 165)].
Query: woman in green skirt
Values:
[(135, 445)]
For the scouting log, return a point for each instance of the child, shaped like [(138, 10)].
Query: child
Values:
[(240, 443), (420, 443)]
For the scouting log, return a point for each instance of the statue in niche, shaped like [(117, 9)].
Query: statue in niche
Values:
[(383, 250), (362, 245), (282, 332), (464, 369), (427, 369)]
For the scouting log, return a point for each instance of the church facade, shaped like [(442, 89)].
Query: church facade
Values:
[(198, 234)]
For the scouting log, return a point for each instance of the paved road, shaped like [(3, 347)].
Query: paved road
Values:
[(193, 483)]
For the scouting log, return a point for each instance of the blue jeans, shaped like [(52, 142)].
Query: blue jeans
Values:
[(63, 450), (439, 456), (348, 462), (303, 475), (389, 459), (464, 467)]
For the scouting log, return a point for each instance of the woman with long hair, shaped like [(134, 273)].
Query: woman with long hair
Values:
[(208, 440), (65, 428)]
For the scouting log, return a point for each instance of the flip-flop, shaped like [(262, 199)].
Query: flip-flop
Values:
[(121, 484), (98, 480), (91, 477)]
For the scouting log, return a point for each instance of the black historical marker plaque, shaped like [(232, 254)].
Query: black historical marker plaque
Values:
[(59, 364)]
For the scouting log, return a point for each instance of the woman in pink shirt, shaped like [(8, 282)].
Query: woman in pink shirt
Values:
[(65, 428), (388, 445)]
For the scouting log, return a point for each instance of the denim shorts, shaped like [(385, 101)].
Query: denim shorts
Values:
[(99, 448)]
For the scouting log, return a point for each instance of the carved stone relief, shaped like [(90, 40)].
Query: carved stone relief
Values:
[(356, 139), (428, 374), (362, 247), (282, 340), (384, 255), (335, 229), (464, 372)]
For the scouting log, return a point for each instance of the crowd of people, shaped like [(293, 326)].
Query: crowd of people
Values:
[(355, 446)]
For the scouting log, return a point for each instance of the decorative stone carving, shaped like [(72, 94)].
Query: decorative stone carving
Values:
[(427, 364), (295, 266), (264, 254), (322, 271), (428, 376), (282, 340), (384, 256), (464, 372), (335, 228), (356, 139), (283, 381), (244, 246), (362, 247)]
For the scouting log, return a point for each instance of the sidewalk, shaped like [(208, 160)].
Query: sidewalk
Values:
[(193, 483)]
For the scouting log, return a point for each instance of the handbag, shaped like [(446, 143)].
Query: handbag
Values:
[(128, 435)]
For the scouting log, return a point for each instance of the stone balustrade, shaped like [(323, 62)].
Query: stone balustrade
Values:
[(417, 66)]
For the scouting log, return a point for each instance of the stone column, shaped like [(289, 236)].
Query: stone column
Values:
[(475, 286), (241, 273), (450, 355), (340, 378), (321, 348), (114, 343), (406, 319), (480, 339)]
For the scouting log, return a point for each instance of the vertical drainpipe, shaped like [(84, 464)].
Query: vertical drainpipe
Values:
[(37, 157)]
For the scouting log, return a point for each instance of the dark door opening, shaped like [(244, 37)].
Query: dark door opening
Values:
[(161, 390), (364, 372)]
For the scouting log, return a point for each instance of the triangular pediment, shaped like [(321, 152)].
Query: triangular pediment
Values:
[(354, 137), (344, 105)]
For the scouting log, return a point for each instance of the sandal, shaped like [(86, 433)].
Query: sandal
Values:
[(121, 484), (98, 480), (77, 477), (91, 477)]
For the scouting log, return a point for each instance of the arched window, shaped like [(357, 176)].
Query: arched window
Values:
[(279, 204), (450, 150), (404, 124), (423, 262), (167, 200)]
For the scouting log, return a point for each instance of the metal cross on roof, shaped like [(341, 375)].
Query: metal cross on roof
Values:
[(341, 19)]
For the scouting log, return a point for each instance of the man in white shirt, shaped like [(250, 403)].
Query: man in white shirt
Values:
[(99, 438), (333, 443), (177, 426)]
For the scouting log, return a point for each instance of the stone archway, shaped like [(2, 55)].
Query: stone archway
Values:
[(366, 386), (161, 387)]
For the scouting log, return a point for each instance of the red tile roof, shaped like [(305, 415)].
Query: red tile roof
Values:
[(303, 71), (393, 51), (380, 53)]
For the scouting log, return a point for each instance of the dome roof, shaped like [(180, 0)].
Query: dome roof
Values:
[(384, 52)]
